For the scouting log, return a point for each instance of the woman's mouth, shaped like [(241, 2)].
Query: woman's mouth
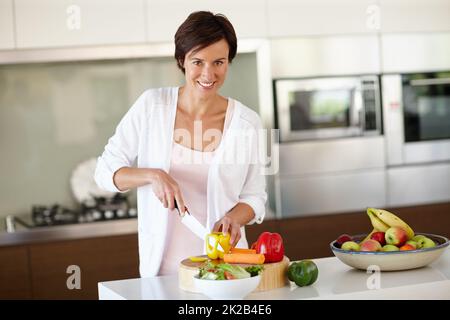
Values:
[(206, 85)]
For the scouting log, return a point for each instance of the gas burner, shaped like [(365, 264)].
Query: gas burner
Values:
[(96, 209), (54, 215)]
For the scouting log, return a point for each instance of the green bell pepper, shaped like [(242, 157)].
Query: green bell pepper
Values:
[(303, 273)]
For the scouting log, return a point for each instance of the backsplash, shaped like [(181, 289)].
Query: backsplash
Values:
[(55, 115)]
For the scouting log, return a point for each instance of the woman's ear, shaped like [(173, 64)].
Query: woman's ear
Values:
[(181, 63)]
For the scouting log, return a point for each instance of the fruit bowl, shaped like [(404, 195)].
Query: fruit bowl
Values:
[(236, 289), (393, 260)]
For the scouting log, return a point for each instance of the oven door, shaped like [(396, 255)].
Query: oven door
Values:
[(426, 112), (319, 108), (426, 100), (417, 117)]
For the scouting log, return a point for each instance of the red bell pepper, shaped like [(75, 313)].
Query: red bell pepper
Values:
[(271, 245)]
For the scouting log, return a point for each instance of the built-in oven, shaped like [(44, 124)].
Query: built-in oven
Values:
[(327, 107), (417, 117)]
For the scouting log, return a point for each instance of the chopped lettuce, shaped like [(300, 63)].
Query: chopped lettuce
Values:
[(210, 272), (236, 271)]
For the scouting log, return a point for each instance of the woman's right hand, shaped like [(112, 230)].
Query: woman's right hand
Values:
[(167, 190)]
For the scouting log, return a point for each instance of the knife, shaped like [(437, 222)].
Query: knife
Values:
[(192, 223)]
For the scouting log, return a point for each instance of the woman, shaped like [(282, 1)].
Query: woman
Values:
[(181, 140)]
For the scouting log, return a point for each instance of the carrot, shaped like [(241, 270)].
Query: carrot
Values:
[(247, 258), (241, 250)]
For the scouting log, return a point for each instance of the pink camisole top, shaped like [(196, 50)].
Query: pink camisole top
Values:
[(189, 168)]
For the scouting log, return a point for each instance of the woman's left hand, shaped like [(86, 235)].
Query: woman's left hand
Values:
[(229, 225)]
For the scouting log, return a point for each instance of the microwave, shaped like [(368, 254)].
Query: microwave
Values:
[(327, 107)]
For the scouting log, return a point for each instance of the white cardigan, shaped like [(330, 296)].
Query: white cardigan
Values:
[(144, 138)]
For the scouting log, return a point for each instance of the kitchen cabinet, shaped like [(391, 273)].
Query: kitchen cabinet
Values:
[(333, 175), (59, 23), (164, 16), (97, 258), (14, 273), (288, 18), (43, 270), (416, 184), (431, 52), (344, 191), (415, 15), (6, 24), (325, 55)]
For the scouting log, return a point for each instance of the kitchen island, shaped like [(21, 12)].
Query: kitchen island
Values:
[(336, 281)]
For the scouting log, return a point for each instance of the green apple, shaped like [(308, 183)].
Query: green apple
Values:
[(427, 243), (350, 246), (417, 237), (413, 243), (390, 247)]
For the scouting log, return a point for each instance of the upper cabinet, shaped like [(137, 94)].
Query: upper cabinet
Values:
[(28, 24), (165, 16), (396, 51), (58, 23), (317, 56), (6, 24), (289, 18), (415, 15)]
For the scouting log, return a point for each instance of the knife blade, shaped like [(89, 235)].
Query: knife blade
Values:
[(195, 226), (192, 223)]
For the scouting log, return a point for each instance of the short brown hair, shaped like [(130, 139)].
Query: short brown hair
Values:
[(201, 29)]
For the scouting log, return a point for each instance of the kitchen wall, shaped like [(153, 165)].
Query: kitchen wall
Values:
[(55, 115)]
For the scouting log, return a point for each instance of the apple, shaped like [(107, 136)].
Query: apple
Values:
[(379, 236), (417, 237), (390, 247), (350, 246), (407, 247), (370, 245), (342, 239), (396, 236), (427, 243), (412, 243)]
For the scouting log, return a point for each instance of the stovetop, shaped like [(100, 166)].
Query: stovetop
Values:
[(99, 209)]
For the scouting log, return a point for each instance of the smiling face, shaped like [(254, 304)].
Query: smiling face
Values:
[(206, 69)]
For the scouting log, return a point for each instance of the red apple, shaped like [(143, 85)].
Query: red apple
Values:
[(396, 236), (342, 239), (370, 245), (379, 236)]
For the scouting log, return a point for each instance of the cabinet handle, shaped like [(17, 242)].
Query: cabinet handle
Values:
[(429, 82)]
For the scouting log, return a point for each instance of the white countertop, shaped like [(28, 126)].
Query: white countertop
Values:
[(336, 281)]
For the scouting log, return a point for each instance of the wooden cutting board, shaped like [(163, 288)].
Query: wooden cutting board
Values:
[(273, 276)]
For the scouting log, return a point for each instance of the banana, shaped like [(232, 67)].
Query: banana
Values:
[(376, 223), (390, 219), (369, 235)]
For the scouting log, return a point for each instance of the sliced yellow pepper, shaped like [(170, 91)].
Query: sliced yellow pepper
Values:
[(198, 259), (217, 244)]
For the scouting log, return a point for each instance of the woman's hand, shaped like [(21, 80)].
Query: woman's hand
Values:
[(240, 215), (230, 225), (166, 189)]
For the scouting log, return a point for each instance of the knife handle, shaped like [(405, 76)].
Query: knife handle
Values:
[(179, 212)]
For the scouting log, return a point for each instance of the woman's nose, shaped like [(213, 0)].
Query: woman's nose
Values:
[(207, 72)]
